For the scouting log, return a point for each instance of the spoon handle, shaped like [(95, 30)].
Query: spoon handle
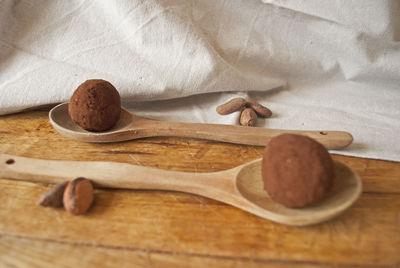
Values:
[(111, 175), (246, 135)]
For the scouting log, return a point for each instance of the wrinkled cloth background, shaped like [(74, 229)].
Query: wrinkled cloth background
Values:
[(322, 65)]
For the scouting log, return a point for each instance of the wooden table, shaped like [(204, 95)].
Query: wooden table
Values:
[(128, 228)]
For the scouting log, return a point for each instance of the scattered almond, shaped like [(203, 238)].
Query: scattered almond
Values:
[(248, 117), (54, 197), (78, 196), (260, 110), (231, 106)]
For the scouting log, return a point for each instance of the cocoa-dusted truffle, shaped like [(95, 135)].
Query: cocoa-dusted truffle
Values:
[(95, 105), (297, 171)]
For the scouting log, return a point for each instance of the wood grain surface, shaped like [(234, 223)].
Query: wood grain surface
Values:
[(132, 228)]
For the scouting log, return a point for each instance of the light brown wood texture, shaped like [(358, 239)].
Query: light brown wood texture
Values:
[(139, 228), (130, 126)]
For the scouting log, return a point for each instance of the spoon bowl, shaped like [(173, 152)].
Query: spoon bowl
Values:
[(63, 123), (131, 127), (346, 189), (241, 186)]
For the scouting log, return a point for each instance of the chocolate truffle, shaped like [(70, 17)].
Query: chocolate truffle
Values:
[(297, 171), (95, 105)]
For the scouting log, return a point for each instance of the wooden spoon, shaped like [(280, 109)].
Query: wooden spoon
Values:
[(241, 186), (131, 127)]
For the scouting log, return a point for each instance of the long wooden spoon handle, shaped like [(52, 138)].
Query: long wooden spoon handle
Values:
[(106, 174), (248, 135)]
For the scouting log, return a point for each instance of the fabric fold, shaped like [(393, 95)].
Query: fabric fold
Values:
[(332, 65)]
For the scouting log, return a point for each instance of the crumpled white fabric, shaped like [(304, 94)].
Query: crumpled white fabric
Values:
[(324, 65)]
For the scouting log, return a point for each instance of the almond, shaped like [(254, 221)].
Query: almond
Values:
[(248, 117), (78, 196), (236, 104)]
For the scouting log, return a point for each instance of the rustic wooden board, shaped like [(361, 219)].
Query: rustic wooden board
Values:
[(23, 252), (153, 228)]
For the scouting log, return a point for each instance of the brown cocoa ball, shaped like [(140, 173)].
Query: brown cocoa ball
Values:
[(95, 105), (297, 171)]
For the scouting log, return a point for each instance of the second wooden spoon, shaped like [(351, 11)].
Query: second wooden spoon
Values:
[(241, 186)]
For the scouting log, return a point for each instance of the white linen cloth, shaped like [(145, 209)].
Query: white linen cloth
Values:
[(322, 65)]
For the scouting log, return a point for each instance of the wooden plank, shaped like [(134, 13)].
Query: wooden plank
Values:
[(177, 222), (23, 252)]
